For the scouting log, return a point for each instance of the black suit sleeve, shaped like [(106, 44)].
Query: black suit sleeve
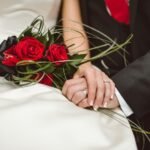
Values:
[(133, 82)]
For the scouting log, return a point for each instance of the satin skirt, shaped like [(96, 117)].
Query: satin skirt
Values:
[(38, 117)]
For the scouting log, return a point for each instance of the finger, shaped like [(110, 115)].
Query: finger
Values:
[(107, 94), (109, 89), (75, 88), (91, 82), (112, 86), (79, 96), (84, 103), (70, 82), (113, 103), (100, 91)]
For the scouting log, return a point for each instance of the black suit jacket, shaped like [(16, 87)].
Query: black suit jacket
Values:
[(133, 80)]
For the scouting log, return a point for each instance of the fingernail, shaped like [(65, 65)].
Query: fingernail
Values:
[(95, 108), (105, 105), (112, 97), (91, 103)]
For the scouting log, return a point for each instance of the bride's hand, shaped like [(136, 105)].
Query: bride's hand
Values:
[(111, 104), (76, 91), (100, 87), (97, 84)]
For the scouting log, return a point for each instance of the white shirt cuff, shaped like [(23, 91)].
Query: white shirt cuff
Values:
[(124, 106)]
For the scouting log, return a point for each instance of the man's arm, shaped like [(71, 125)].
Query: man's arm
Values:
[(133, 83)]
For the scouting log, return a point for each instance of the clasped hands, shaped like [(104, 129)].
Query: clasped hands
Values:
[(91, 87)]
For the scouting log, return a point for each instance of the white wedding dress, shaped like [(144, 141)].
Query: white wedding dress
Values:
[(38, 117)]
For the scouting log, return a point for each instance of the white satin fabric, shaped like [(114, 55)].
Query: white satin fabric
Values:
[(38, 117), (16, 15)]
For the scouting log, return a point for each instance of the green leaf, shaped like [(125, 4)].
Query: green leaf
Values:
[(26, 32), (69, 69), (38, 23), (35, 68), (76, 59), (50, 38), (43, 39), (60, 76), (35, 28), (49, 69), (55, 37)]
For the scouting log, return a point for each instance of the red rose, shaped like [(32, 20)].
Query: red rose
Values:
[(46, 79), (56, 53), (29, 48), (10, 58)]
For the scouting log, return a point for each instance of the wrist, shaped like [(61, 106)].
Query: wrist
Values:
[(85, 65)]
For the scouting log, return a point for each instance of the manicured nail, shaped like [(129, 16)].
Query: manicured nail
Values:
[(95, 108), (91, 103), (112, 97), (105, 105)]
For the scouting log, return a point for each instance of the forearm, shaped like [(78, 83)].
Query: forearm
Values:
[(74, 33)]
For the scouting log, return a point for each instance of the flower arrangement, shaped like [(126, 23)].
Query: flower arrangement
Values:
[(38, 55)]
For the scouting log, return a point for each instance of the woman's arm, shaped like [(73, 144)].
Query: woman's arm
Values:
[(72, 25), (99, 93)]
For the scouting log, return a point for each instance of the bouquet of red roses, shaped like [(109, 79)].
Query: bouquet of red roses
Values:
[(38, 55)]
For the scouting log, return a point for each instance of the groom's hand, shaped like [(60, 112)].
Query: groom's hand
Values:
[(76, 90), (114, 103)]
